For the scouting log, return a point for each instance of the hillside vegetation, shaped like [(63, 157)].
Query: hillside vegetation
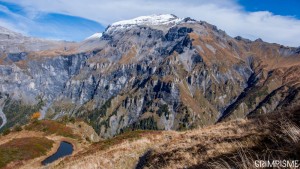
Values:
[(235, 144), (24, 149), (27, 146), (51, 127), (232, 144)]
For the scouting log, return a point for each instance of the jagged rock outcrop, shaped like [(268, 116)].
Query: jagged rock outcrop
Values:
[(155, 72)]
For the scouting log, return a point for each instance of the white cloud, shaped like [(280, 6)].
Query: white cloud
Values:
[(11, 21), (226, 14), (36, 23)]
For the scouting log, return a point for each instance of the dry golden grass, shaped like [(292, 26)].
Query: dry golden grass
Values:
[(120, 152), (127, 58), (236, 143), (187, 98), (230, 144)]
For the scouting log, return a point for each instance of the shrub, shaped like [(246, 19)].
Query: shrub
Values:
[(6, 132), (65, 119), (17, 128), (35, 116)]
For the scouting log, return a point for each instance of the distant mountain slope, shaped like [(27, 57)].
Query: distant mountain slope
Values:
[(12, 42), (152, 72)]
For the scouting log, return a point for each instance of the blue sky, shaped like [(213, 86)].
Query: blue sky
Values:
[(278, 7), (272, 20), (47, 25)]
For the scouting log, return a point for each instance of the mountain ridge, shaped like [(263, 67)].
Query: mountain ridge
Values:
[(164, 76)]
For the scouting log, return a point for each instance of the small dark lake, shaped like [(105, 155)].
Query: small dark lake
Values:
[(64, 149)]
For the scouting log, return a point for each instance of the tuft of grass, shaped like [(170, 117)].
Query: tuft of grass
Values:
[(24, 149), (52, 127)]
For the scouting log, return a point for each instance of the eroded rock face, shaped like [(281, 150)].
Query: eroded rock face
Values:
[(156, 76)]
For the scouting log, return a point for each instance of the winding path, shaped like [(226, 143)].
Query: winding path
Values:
[(4, 120)]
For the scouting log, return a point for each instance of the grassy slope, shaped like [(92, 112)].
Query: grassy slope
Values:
[(34, 140), (225, 145), (24, 149), (51, 127), (234, 144)]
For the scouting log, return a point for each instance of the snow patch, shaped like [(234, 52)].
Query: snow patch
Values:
[(94, 36), (163, 19), (150, 20)]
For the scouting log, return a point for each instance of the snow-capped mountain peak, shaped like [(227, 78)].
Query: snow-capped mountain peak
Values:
[(151, 20), (94, 36)]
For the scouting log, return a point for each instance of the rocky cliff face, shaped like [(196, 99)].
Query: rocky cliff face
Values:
[(155, 72)]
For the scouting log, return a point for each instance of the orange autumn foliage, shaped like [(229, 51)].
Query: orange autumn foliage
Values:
[(35, 116)]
